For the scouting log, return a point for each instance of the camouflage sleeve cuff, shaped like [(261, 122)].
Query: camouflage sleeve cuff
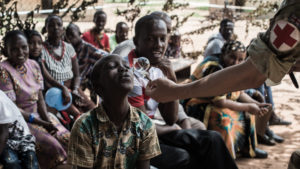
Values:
[(267, 62)]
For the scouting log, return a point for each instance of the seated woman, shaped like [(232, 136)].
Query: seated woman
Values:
[(87, 54), (227, 114), (22, 81), (61, 62)]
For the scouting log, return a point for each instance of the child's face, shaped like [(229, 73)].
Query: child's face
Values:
[(35, 46), (152, 41), (116, 74), (100, 21), (73, 36), (122, 33), (233, 58), (17, 50)]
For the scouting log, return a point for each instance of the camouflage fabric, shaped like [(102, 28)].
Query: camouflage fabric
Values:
[(96, 143), (275, 51)]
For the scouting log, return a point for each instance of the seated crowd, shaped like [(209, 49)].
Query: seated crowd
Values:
[(119, 126)]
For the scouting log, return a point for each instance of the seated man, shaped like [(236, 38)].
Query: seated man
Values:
[(113, 135), (17, 145), (124, 48), (181, 148), (216, 41)]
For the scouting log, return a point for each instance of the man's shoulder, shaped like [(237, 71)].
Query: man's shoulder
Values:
[(144, 120), (86, 122)]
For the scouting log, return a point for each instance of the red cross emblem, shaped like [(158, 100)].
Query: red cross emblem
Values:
[(284, 36)]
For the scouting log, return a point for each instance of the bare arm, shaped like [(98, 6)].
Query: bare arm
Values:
[(245, 76), (169, 112), (143, 164), (47, 125), (233, 105), (53, 83), (42, 109), (247, 99), (76, 78), (3, 136)]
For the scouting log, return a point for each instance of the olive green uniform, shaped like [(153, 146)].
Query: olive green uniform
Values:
[(275, 51)]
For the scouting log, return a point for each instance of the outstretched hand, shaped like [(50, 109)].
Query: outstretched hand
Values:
[(162, 90)]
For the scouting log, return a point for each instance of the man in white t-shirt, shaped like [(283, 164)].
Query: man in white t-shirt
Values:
[(181, 148), (17, 145)]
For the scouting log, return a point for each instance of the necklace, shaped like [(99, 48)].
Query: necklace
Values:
[(50, 48)]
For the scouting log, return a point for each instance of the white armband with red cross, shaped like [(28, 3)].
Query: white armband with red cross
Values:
[(274, 52)]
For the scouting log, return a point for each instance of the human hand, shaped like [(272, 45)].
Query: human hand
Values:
[(66, 95), (165, 66), (265, 107), (258, 109), (76, 93), (162, 90), (50, 128), (175, 127)]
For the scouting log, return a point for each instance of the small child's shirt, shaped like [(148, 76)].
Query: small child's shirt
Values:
[(96, 143), (99, 41)]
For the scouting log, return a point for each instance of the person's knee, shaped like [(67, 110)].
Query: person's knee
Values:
[(175, 158), (214, 136), (197, 124), (183, 159)]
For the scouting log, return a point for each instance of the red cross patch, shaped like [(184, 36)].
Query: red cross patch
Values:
[(284, 36)]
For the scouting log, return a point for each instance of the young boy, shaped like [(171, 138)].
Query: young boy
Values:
[(120, 36), (96, 35), (17, 145), (113, 135), (181, 148)]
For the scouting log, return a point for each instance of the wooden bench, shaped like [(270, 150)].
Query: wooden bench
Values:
[(182, 67)]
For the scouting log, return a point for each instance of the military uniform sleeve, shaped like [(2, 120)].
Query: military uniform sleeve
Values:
[(274, 52), (267, 62)]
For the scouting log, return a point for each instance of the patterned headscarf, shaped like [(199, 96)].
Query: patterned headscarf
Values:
[(233, 45)]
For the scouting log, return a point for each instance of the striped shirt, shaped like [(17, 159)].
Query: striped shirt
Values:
[(59, 68)]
